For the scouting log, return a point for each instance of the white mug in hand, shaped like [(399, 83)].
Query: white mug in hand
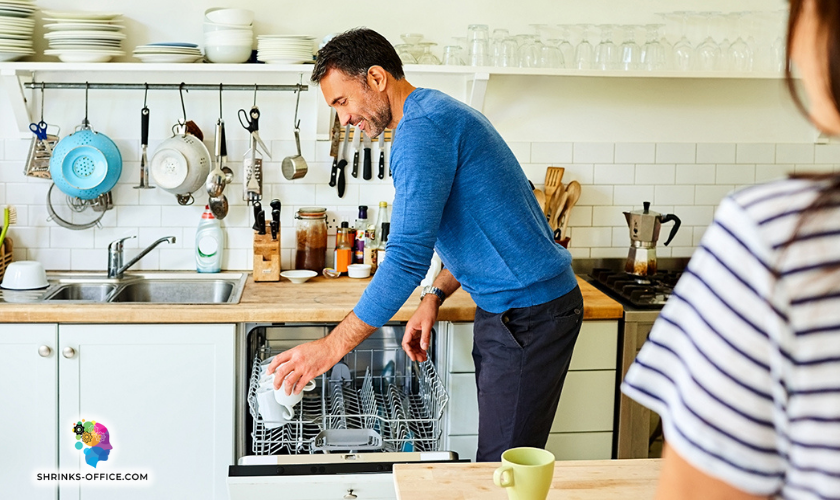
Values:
[(288, 401), (274, 415)]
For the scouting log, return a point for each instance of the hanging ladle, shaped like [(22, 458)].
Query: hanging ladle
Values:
[(295, 167), (218, 178)]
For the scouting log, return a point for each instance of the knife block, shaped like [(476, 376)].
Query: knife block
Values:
[(266, 257)]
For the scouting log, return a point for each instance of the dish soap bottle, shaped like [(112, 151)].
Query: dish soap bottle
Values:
[(209, 243)]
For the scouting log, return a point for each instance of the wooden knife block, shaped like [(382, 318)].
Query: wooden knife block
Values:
[(266, 257)]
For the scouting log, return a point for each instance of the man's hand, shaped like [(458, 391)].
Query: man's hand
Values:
[(419, 328), (299, 365)]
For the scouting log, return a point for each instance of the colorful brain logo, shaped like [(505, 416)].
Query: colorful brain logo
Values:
[(96, 437)]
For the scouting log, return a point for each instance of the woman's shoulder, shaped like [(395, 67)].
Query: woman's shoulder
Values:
[(776, 198)]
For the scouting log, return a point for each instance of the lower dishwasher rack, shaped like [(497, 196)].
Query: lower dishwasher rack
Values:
[(378, 392)]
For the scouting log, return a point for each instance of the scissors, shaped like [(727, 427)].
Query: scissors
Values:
[(40, 131), (251, 122)]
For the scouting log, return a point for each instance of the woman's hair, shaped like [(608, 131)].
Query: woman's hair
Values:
[(828, 21)]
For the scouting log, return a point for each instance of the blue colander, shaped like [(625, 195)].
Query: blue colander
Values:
[(85, 164)]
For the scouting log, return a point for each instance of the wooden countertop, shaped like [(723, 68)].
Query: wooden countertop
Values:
[(579, 480), (318, 300)]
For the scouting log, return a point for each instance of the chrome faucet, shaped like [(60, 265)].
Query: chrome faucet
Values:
[(115, 255)]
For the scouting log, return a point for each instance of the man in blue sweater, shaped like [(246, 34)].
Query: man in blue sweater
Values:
[(460, 191)]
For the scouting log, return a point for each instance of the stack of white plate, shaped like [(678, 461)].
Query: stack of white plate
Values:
[(83, 36), (228, 35), (16, 26), (168, 52), (284, 49)]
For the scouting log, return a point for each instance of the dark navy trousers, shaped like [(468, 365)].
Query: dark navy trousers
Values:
[(521, 359)]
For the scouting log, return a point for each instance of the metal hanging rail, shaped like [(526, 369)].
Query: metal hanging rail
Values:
[(167, 86)]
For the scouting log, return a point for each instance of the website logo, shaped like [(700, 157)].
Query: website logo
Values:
[(96, 437)]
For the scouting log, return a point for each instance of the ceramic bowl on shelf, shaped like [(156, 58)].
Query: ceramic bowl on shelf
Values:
[(228, 54), (298, 276), (222, 15)]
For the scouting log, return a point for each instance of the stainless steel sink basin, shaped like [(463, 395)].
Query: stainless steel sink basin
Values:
[(176, 292), (147, 288), (96, 292)]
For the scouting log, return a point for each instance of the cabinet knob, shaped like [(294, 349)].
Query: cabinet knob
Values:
[(44, 351), (350, 495), (68, 352)]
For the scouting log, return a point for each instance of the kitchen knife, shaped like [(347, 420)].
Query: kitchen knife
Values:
[(275, 206), (357, 140), (342, 164), (275, 228), (336, 136), (257, 210), (261, 220), (367, 174), (382, 155)]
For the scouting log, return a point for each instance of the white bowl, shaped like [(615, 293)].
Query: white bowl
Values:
[(229, 35), (230, 54), (24, 275), (299, 276), (358, 270), (222, 15), (212, 27)]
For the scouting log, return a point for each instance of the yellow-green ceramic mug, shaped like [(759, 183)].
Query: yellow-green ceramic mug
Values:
[(525, 473)]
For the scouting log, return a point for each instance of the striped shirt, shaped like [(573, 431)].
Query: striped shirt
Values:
[(743, 364)]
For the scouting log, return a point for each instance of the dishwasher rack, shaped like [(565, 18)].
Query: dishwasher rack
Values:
[(397, 402)]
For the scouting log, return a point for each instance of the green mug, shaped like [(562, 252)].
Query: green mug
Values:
[(526, 473)]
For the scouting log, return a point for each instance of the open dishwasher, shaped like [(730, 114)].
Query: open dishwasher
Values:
[(373, 409)]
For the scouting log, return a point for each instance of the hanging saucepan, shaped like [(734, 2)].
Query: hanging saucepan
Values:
[(180, 164), (86, 164)]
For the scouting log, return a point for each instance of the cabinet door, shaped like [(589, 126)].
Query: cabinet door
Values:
[(165, 394), (28, 406)]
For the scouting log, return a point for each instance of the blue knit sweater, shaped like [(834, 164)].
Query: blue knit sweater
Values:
[(460, 191)]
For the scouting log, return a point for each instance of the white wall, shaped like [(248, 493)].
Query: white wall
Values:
[(681, 143)]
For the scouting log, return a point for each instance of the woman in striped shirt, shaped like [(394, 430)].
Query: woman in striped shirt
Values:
[(743, 364)]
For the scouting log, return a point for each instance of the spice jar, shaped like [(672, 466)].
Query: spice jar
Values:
[(311, 230)]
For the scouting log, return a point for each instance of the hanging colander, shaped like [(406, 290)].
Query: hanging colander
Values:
[(86, 164)]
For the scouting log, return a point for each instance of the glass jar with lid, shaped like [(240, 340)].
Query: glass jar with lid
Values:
[(311, 231)]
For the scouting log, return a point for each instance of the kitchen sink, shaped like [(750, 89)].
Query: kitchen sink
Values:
[(176, 292), (145, 288), (96, 292)]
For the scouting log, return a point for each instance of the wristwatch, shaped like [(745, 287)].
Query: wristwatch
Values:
[(433, 290)]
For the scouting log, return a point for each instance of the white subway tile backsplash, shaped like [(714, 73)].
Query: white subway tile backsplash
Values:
[(635, 153), (699, 231), (682, 178), (589, 152), (633, 195), (149, 262), (735, 174), (673, 195), (592, 236), (794, 153), (715, 153), (695, 174), (615, 174), (655, 174), (756, 153), (676, 153), (823, 153), (711, 195), (682, 252), (551, 152)]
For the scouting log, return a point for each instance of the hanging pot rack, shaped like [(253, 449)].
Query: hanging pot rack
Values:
[(166, 86)]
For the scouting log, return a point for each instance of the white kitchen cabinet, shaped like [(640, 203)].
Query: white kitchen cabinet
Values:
[(165, 393), (583, 425), (28, 408)]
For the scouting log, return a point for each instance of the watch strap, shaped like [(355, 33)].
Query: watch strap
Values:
[(433, 290)]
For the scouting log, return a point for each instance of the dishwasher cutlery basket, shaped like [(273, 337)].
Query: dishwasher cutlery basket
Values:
[(388, 403)]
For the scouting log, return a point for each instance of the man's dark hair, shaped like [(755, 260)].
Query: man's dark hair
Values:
[(354, 52)]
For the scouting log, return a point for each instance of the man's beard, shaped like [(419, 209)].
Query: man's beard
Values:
[(380, 117)]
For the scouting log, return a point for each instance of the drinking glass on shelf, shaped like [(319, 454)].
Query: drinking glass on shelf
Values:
[(683, 50), (654, 57), (404, 51), (565, 45), (584, 53), (631, 53), (707, 54), (507, 53), (452, 56), (479, 45), (529, 52), (738, 56), (411, 38), (607, 56), (498, 40), (551, 56), (427, 57)]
